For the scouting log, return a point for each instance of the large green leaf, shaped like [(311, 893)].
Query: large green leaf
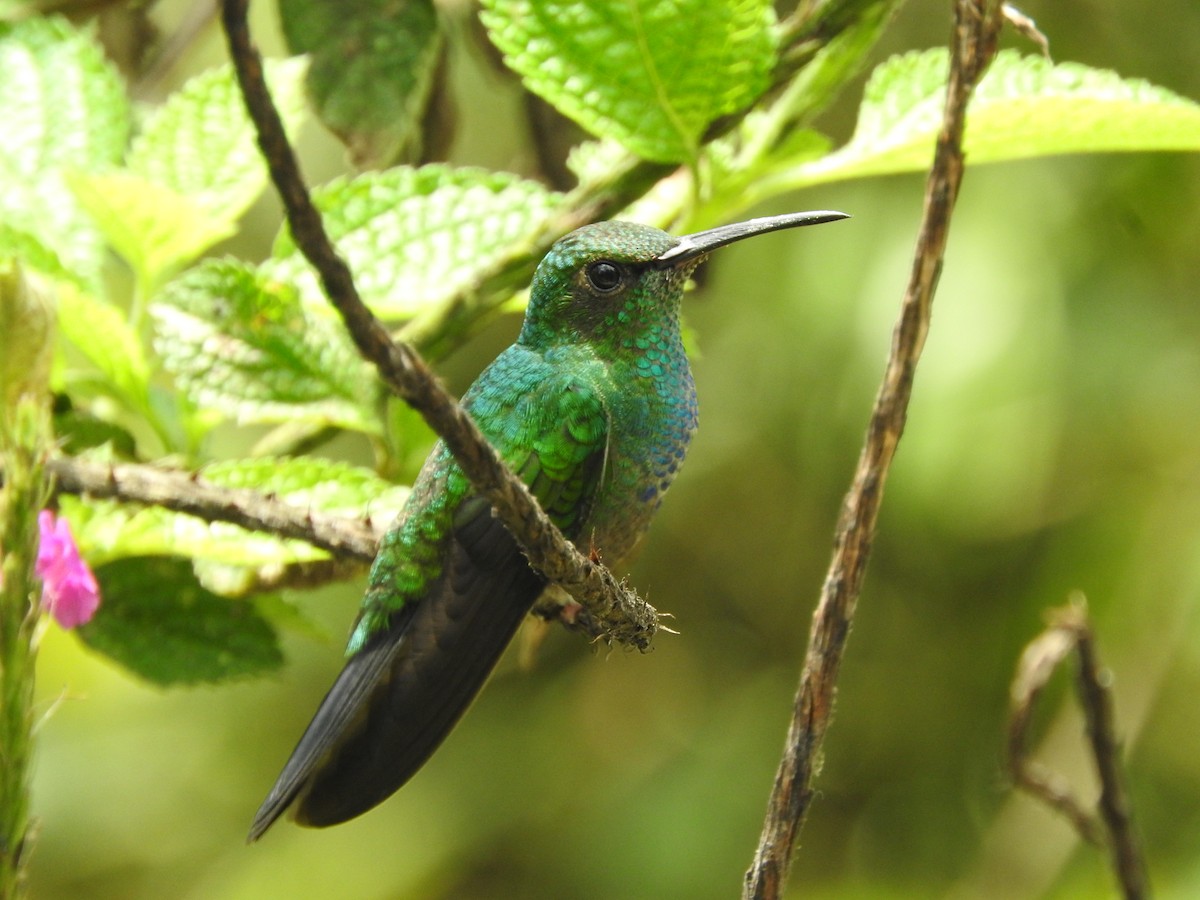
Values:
[(372, 69), (1024, 107), (201, 145), (654, 74), (157, 621), (245, 345), (62, 107), (415, 237)]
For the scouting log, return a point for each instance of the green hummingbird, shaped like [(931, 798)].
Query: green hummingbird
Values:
[(593, 407)]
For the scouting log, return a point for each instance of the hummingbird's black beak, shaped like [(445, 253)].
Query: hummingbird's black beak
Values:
[(692, 245)]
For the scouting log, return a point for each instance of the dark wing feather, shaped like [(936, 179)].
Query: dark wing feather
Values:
[(405, 689), (403, 692)]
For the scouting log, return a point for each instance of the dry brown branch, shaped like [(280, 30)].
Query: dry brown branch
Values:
[(977, 27), (624, 617), (1069, 630), (187, 492)]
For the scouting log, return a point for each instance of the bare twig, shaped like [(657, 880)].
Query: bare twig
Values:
[(351, 542), (187, 492), (627, 619), (1040, 659), (977, 25), (1113, 828)]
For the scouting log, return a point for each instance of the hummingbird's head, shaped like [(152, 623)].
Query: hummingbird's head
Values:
[(613, 279), (598, 277)]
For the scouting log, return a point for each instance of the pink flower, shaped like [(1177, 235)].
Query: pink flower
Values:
[(69, 589)]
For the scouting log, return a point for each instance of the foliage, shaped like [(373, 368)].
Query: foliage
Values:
[(167, 342)]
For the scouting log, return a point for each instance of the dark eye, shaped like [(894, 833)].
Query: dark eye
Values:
[(604, 276)]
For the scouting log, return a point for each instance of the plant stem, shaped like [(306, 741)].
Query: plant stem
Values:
[(24, 431)]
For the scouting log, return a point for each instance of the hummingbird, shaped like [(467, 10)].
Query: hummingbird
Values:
[(593, 407)]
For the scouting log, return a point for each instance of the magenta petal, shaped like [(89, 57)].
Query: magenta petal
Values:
[(69, 589)]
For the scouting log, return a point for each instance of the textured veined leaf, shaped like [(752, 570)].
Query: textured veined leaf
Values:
[(62, 107), (653, 74), (247, 346), (1024, 107), (159, 623), (201, 145), (415, 237), (373, 64)]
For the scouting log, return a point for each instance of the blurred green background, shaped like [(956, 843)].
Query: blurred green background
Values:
[(1052, 445)]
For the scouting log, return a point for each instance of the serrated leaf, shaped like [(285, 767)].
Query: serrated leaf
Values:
[(63, 107), (372, 69), (245, 345), (201, 144), (153, 228), (415, 237), (1024, 107), (653, 74), (107, 531), (101, 333), (157, 621)]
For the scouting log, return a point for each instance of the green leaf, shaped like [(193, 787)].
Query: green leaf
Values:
[(200, 143), (1024, 107), (101, 333), (245, 345), (153, 228), (415, 237), (107, 531), (373, 64), (653, 74), (33, 254), (62, 107), (157, 621)]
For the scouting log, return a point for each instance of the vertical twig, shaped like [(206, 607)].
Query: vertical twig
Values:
[(1069, 630), (1115, 808), (977, 26)]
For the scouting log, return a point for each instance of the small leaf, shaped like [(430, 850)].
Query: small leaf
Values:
[(373, 63), (653, 74), (158, 622), (415, 237), (1024, 107), (34, 254), (334, 488), (101, 333), (63, 107), (153, 228), (242, 344), (201, 145)]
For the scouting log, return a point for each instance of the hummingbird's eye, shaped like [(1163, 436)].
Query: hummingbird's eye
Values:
[(604, 276)]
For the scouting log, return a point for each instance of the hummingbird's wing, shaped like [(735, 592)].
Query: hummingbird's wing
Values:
[(405, 688)]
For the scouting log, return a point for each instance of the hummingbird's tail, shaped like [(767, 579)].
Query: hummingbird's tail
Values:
[(404, 691)]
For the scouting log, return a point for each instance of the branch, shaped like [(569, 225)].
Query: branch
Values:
[(627, 618), (1069, 630), (187, 492), (977, 25), (351, 542)]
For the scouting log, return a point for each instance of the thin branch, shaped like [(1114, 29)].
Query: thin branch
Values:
[(187, 492), (627, 618), (1115, 807), (1041, 657), (1113, 827), (977, 25)]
